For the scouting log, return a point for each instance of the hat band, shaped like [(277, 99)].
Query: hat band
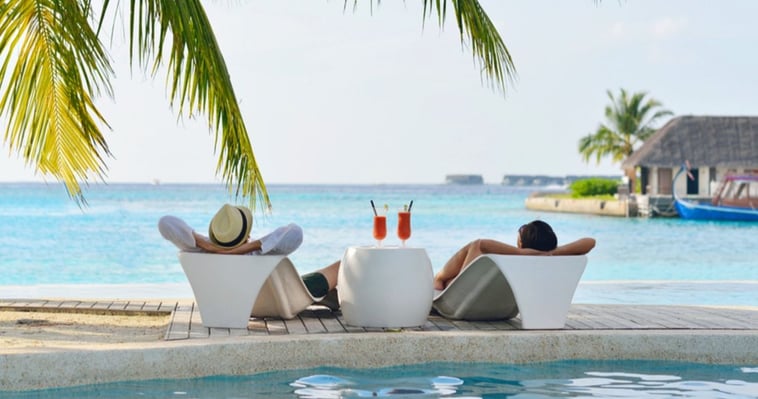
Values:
[(240, 237)]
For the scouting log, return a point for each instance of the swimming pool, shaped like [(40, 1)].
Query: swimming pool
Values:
[(560, 379)]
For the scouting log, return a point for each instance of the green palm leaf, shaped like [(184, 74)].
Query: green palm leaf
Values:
[(487, 46), (53, 66), (180, 34), (629, 122)]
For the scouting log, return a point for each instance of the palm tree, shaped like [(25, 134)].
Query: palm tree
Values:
[(629, 123), (55, 64)]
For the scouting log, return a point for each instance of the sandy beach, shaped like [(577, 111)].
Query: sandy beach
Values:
[(29, 332)]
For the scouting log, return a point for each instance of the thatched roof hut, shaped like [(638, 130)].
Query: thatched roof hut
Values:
[(705, 141), (713, 145)]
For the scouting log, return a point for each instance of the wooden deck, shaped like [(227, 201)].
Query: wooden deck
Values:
[(186, 322)]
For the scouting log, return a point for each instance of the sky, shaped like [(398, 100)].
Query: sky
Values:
[(374, 95)]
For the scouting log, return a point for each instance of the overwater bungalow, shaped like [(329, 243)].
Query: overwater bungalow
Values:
[(713, 145)]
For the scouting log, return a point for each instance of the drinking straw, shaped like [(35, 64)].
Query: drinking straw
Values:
[(373, 207), (410, 206)]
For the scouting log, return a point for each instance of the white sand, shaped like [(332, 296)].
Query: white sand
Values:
[(32, 331)]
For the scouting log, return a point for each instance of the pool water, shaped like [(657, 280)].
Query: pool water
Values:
[(561, 379)]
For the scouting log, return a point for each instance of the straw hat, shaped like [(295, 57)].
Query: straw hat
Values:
[(230, 226)]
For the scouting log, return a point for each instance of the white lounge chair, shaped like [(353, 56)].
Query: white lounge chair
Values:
[(229, 289), (495, 287)]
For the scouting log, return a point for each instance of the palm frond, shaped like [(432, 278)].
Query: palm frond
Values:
[(629, 123), (476, 28), (53, 65), (180, 34)]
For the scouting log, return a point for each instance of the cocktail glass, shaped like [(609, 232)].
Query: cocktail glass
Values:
[(380, 226), (403, 225)]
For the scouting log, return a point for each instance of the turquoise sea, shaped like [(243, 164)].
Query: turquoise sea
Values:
[(111, 247)]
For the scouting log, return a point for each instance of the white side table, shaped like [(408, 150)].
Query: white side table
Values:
[(385, 287)]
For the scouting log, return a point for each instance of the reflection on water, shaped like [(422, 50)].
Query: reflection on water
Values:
[(594, 384), (327, 386)]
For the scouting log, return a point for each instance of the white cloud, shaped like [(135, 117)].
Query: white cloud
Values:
[(669, 26), (618, 29)]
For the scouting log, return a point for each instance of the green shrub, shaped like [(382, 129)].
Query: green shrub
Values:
[(593, 186)]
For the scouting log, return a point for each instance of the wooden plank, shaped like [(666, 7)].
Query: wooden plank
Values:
[(295, 326), (118, 305), (101, 305), (69, 304), (215, 332), (676, 317), (168, 306), (463, 325), (238, 332), (747, 318), (645, 318), (602, 318), (725, 320), (515, 323), (575, 322), (86, 305), (179, 325), (332, 324), (275, 326), (580, 318), (134, 305), (24, 303), (501, 325), (442, 323), (50, 304), (151, 306), (482, 325), (313, 325), (665, 316), (429, 326), (196, 328), (348, 327), (257, 326)]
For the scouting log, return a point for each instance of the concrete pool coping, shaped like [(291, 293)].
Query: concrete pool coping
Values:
[(249, 355)]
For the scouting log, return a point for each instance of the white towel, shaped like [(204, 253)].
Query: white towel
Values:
[(282, 241)]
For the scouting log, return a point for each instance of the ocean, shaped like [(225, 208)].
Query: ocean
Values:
[(111, 248)]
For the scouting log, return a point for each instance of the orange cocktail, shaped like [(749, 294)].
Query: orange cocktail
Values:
[(380, 228), (403, 226)]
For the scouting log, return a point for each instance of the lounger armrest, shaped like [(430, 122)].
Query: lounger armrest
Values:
[(226, 286), (543, 286)]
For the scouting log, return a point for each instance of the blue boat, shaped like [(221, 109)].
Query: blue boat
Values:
[(735, 199)]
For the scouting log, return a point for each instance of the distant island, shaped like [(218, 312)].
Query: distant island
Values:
[(544, 180), (526, 180), (464, 179)]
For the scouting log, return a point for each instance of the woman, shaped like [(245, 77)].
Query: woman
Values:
[(534, 238)]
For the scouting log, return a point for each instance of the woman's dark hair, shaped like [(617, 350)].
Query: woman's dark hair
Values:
[(538, 235)]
